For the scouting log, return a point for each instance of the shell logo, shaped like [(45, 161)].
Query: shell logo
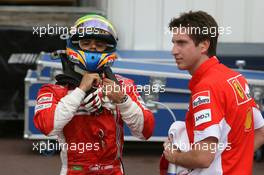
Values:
[(249, 119)]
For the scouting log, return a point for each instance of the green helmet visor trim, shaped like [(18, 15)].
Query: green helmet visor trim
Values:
[(95, 24)]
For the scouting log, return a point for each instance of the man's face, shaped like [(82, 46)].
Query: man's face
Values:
[(186, 54), (92, 45)]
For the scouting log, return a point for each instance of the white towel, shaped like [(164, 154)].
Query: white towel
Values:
[(179, 136), (179, 139)]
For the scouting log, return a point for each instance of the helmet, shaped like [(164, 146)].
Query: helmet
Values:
[(96, 27)]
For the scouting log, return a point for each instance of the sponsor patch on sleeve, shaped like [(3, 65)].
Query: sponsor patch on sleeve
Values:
[(44, 98), (202, 116), (240, 89), (200, 98), (40, 107)]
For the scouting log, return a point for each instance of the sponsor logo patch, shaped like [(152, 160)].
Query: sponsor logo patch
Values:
[(40, 107), (240, 89), (200, 98), (43, 98), (202, 116), (249, 119)]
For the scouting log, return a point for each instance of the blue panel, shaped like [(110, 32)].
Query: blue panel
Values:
[(163, 121), (144, 54), (46, 72), (174, 97), (154, 67), (138, 79), (33, 90), (32, 127), (149, 67), (48, 58), (252, 74), (177, 83), (33, 74)]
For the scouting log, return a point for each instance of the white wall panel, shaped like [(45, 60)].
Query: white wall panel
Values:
[(256, 27), (206, 5), (147, 21), (120, 12), (172, 8), (142, 24), (233, 15)]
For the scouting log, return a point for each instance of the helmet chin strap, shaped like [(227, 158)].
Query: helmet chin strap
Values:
[(81, 71), (78, 70), (109, 74), (107, 71)]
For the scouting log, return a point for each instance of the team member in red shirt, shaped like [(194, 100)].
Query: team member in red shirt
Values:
[(85, 109), (222, 115)]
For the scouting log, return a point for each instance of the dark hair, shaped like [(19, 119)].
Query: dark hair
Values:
[(202, 22)]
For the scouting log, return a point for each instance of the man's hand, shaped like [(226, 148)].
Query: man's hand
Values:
[(200, 156), (93, 101), (170, 151), (112, 90), (259, 138), (89, 80)]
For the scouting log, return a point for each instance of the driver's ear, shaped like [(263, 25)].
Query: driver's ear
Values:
[(204, 45)]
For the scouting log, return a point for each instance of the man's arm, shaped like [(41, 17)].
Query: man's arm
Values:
[(259, 138), (139, 120), (200, 156), (55, 108), (52, 113), (137, 117), (259, 129)]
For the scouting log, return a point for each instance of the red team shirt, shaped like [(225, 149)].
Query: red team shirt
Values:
[(221, 107)]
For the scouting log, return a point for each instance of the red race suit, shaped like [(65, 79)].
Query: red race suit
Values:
[(91, 143)]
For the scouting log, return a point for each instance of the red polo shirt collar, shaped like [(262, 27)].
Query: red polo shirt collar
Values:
[(202, 69)]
